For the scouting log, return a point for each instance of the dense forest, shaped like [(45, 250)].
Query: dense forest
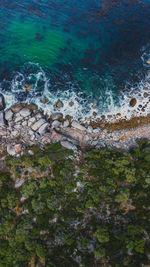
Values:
[(64, 209)]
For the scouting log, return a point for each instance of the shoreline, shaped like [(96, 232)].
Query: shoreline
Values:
[(23, 124)]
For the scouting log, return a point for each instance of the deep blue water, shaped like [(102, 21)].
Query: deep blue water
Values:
[(92, 51)]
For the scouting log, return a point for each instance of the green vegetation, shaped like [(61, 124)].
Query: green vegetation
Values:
[(89, 213)]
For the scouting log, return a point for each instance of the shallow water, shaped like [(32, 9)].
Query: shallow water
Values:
[(81, 51)]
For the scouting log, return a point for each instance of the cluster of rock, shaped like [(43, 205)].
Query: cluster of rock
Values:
[(23, 125)]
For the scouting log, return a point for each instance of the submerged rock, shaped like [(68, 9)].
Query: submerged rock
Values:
[(59, 104), (133, 102)]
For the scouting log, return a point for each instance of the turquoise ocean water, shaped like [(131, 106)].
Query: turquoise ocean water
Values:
[(85, 52)]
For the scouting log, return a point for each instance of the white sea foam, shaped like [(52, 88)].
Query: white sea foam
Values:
[(81, 107)]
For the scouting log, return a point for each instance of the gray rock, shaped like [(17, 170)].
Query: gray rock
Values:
[(15, 133), (18, 118), (43, 128), (2, 118), (24, 123), (68, 145), (30, 132), (66, 123), (2, 102), (25, 112), (31, 121), (18, 126), (8, 114), (56, 124), (37, 124), (3, 131), (56, 116), (38, 116), (78, 126)]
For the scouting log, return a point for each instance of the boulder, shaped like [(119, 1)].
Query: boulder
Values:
[(14, 149), (31, 121), (25, 112), (68, 145), (78, 126), (8, 115), (37, 124), (66, 123), (18, 118), (2, 102), (56, 124), (145, 94), (56, 116), (2, 118), (43, 128)]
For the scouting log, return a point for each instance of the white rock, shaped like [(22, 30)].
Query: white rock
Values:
[(37, 124), (32, 137), (56, 124), (66, 123), (8, 114), (19, 183), (42, 129), (31, 152), (25, 112), (13, 149), (68, 145), (76, 125)]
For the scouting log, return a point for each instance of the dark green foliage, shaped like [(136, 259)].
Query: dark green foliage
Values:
[(90, 214)]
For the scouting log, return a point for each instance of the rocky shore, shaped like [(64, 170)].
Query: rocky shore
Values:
[(23, 125)]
